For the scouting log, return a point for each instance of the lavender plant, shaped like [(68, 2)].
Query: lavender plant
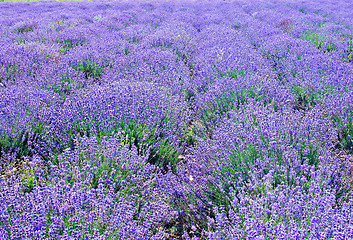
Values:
[(176, 120)]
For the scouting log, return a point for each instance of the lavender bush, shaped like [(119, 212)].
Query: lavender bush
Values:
[(176, 120)]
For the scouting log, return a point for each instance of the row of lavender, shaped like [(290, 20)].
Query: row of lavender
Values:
[(223, 120)]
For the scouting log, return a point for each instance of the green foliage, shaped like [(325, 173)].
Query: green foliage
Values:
[(307, 151), (235, 173), (68, 44), (234, 26), (133, 40), (18, 142), (89, 68), (21, 41), (231, 99), (28, 179), (234, 74), (162, 44), (348, 40), (97, 18), (181, 56), (277, 58), (8, 73), (24, 29), (308, 97), (190, 135), (320, 41), (64, 86), (147, 139), (304, 96), (241, 165), (344, 127), (126, 51), (162, 152), (321, 14), (213, 113), (189, 95), (129, 23), (302, 10)]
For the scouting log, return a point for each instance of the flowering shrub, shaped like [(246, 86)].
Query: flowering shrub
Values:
[(176, 120)]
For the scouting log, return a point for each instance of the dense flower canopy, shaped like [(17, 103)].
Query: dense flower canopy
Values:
[(176, 120)]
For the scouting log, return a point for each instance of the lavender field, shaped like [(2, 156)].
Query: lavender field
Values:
[(176, 120)]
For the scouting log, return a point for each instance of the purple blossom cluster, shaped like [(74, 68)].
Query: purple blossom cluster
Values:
[(176, 120)]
